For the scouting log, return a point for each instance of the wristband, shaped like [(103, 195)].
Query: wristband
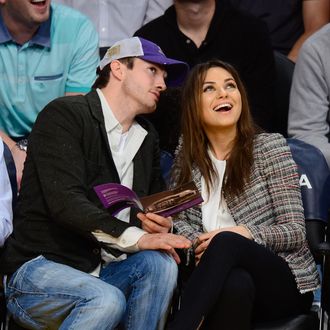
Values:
[(22, 144)]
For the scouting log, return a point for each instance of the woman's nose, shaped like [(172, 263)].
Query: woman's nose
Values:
[(221, 92)]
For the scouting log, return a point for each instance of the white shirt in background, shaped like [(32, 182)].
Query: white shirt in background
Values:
[(118, 19)]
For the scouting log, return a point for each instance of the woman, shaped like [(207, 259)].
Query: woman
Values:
[(252, 258)]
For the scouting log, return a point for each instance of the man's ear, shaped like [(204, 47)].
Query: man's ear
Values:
[(116, 69)]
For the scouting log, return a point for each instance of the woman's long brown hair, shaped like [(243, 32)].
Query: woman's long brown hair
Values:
[(195, 142)]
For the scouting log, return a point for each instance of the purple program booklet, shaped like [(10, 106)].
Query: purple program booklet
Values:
[(117, 197)]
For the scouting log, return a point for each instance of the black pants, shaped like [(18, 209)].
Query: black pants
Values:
[(238, 282)]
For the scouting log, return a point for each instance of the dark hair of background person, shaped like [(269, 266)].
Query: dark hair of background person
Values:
[(195, 141), (104, 74)]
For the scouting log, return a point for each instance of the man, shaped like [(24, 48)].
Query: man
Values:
[(47, 51), (309, 111), (115, 20), (63, 235), (195, 31), (6, 213)]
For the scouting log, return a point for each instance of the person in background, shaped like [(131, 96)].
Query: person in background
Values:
[(253, 263), (118, 19), (47, 50), (290, 23), (71, 263), (197, 31), (6, 212), (309, 111)]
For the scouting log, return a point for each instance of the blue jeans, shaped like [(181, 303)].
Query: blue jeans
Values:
[(134, 293)]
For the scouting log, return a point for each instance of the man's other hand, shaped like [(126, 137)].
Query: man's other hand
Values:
[(154, 223), (164, 241)]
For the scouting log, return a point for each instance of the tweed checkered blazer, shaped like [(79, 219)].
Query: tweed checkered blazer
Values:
[(270, 207)]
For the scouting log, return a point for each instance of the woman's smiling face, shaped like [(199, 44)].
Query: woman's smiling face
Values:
[(220, 100)]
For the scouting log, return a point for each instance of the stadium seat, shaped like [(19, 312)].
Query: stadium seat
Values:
[(284, 70)]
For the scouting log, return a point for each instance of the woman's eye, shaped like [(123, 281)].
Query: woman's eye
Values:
[(208, 88), (231, 86)]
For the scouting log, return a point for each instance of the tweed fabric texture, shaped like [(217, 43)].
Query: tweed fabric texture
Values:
[(270, 207)]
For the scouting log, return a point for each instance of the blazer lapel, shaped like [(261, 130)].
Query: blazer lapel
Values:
[(140, 180), (96, 111), (141, 173)]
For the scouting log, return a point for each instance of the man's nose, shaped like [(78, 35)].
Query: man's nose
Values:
[(161, 85)]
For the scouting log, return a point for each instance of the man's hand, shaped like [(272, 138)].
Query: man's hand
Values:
[(154, 223), (19, 157), (164, 241)]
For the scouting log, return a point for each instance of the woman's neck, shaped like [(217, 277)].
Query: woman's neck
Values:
[(222, 143)]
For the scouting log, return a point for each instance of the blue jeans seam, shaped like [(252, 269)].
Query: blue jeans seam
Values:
[(135, 276), (79, 314)]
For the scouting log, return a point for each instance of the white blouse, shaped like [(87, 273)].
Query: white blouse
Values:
[(215, 212)]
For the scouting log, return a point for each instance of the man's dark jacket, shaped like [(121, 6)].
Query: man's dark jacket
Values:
[(57, 209)]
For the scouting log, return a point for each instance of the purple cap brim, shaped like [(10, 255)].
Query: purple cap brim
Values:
[(176, 70)]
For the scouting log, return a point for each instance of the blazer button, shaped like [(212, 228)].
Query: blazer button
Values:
[(96, 251)]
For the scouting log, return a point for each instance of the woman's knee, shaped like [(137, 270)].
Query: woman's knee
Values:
[(227, 238), (227, 241)]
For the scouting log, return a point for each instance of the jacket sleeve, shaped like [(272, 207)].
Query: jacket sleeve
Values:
[(189, 222), (287, 230)]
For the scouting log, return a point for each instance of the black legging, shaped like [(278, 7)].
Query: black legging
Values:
[(237, 283)]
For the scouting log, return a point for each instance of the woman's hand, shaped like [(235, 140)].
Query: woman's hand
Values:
[(204, 240), (154, 223), (202, 243)]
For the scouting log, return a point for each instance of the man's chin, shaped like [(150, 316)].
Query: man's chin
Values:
[(41, 17), (151, 109)]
